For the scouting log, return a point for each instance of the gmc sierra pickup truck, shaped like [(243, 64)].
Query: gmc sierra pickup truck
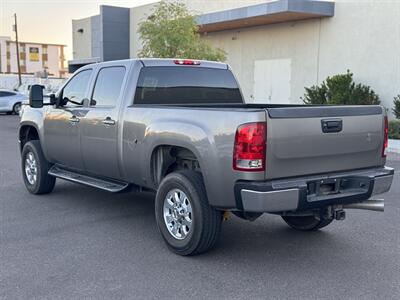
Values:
[(180, 128)]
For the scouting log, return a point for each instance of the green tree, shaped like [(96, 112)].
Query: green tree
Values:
[(171, 32), (396, 108), (340, 89)]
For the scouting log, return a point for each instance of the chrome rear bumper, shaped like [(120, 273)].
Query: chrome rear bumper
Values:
[(304, 193)]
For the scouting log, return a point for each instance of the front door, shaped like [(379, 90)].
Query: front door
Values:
[(99, 127), (62, 124)]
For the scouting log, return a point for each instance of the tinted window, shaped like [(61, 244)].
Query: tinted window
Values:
[(76, 88), (180, 85), (6, 94), (108, 86)]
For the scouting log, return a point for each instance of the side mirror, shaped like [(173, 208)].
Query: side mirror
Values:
[(36, 96)]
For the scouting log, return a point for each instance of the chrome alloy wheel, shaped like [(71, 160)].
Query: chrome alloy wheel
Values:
[(31, 169), (178, 214)]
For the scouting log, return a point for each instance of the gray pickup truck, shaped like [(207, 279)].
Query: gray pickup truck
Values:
[(180, 128)]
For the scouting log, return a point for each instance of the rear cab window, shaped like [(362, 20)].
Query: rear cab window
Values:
[(108, 86), (186, 85)]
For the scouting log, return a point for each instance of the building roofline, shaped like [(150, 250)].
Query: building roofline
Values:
[(265, 13), (37, 43)]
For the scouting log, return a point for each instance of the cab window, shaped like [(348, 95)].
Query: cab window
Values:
[(108, 86), (75, 90)]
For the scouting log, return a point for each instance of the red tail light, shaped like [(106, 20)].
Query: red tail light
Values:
[(186, 62), (385, 137), (250, 147)]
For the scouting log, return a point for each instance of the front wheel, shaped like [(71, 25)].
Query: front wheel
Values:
[(188, 224), (35, 169), (306, 223)]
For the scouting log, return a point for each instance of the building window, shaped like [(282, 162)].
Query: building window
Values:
[(33, 54)]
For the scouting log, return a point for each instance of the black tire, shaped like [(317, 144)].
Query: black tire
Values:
[(306, 223), (44, 183), (206, 221), (16, 108)]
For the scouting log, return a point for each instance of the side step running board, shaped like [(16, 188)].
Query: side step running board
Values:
[(103, 184)]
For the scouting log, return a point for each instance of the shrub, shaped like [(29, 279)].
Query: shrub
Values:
[(394, 129), (396, 108), (340, 89)]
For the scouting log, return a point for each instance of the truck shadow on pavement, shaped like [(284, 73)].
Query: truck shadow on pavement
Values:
[(133, 213)]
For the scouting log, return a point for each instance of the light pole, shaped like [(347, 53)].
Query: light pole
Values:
[(17, 48)]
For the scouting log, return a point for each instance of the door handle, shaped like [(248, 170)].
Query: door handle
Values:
[(74, 120), (108, 121), (331, 125)]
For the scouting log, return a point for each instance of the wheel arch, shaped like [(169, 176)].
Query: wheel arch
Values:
[(166, 158), (26, 133)]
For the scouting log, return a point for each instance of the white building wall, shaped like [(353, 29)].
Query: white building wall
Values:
[(13, 58), (31, 66), (53, 56), (207, 6), (3, 54), (82, 41)]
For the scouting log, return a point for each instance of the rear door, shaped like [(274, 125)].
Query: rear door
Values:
[(99, 128), (4, 100), (312, 140)]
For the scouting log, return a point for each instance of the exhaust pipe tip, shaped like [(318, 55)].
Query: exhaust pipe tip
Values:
[(372, 204)]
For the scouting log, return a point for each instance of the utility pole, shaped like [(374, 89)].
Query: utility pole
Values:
[(17, 47)]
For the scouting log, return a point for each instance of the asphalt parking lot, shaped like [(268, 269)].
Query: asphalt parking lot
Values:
[(79, 242)]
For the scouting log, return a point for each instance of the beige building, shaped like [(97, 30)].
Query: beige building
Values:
[(276, 48), (35, 58)]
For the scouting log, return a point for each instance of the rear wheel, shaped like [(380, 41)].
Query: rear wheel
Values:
[(16, 108), (306, 223), (188, 224), (35, 169)]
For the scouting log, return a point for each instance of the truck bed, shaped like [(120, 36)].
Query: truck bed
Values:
[(297, 145)]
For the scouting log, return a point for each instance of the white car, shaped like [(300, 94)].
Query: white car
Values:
[(10, 101)]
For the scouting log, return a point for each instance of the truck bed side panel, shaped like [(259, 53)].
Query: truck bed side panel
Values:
[(208, 133)]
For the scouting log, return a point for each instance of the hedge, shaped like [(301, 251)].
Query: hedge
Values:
[(394, 129)]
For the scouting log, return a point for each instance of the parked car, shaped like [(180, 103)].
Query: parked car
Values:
[(180, 128), (11, 101)]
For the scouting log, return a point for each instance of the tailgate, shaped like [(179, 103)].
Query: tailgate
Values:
[(312, 140)]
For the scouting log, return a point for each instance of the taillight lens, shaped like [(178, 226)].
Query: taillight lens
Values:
[(385, 137), (250, 147), (186, 62)]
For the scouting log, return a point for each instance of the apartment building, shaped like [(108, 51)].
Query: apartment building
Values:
[(35, 58)]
